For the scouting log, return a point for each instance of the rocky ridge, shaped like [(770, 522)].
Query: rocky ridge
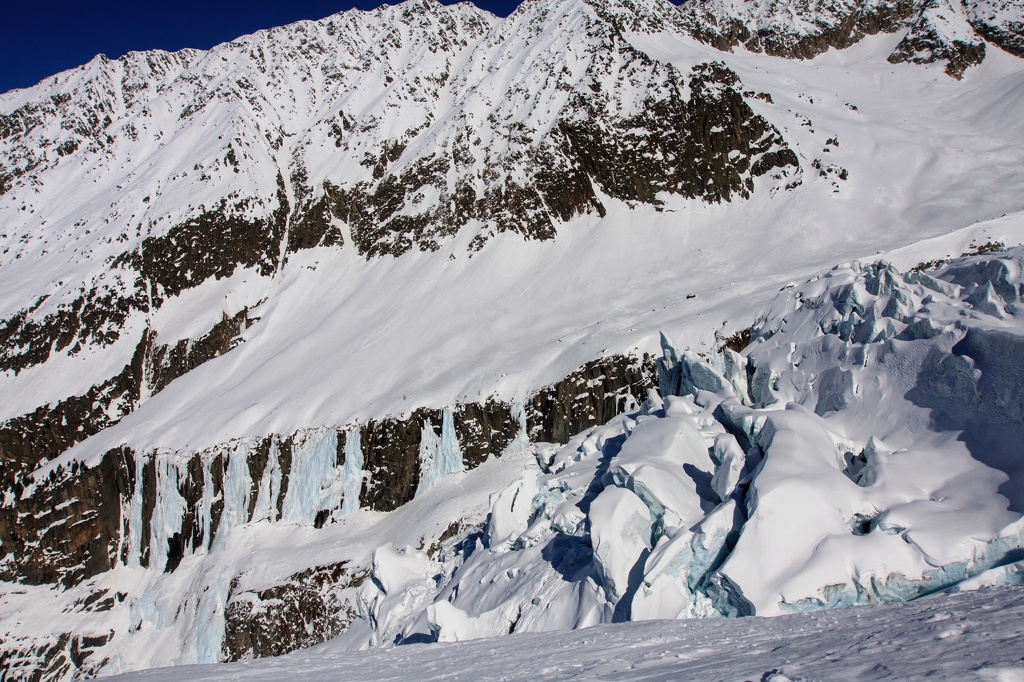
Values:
[(954, 31)]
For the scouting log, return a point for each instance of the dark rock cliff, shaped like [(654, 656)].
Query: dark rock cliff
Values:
[(72, 524)]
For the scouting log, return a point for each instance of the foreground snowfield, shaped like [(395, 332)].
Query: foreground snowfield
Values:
[(966, 636)]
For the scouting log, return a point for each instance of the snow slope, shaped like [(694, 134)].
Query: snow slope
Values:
[(863, 449), (917, 159)]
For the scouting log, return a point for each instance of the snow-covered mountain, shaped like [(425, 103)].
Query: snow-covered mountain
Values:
[(324, 331)]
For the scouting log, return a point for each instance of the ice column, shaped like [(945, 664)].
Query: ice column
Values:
[(168, 511), (237, 485), (135, 522), (352, 476), (312, 477), (522, 439), (206, 505), (270, 486), (439, 457)]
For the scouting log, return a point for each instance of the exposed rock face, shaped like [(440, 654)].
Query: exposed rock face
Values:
[(708, 145), (63, 655), (793, 31), (589, 396), (69, 526), (941, 33), (166, 362), (49, 430), (998, 21), (304, 610)]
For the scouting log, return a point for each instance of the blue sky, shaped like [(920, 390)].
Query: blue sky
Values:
[(39, 38)]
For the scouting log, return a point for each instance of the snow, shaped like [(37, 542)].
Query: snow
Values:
[(968, 636), (820, 483), (869, 455)]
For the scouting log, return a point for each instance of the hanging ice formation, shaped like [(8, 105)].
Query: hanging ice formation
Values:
[(439, 457), (352, 475), (312, 480)]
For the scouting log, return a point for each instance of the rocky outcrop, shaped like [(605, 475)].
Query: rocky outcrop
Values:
[(168, 362), (49, 430), (707, 144), (1000, 22), (303, 610), (61, 656), (799, 31), (69, 525), (950, 31), (941, 34), (589, 396)]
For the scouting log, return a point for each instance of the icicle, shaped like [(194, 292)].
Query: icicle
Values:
[(135, 515), (522, 439), (449, 453), (270, 486), (168, 510), (439, 457), (206, 504), (352, 478), (429, 443), (237, 485), (312, 477)]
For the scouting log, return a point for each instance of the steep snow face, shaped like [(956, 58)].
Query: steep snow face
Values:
[(188, 166), (431, 127)]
